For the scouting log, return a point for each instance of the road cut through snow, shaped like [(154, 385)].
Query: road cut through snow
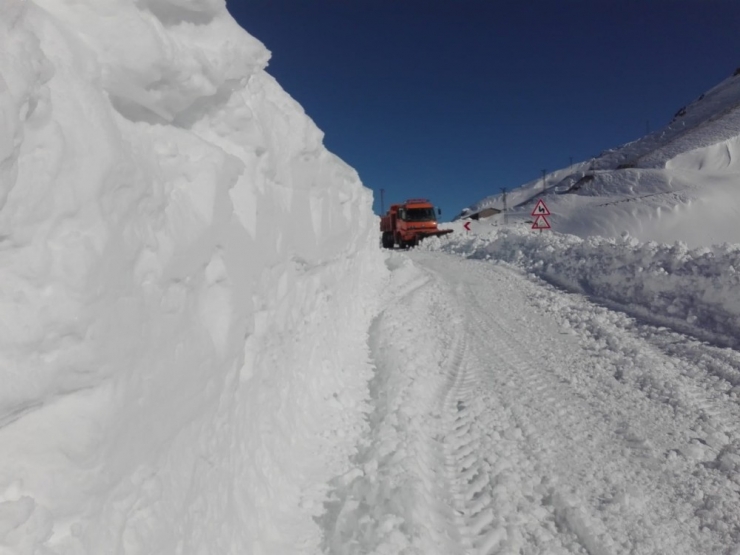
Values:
[(512, 417)]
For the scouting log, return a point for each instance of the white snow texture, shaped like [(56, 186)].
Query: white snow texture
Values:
[(203, 349), (179, 257), (693, 290)]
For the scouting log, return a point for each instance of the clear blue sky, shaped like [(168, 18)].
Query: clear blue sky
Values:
[(452, 100)]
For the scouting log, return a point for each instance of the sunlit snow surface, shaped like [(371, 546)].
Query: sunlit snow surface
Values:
[(691, 289), (514, 416), (678, 183), (179, 258), (203, 349)]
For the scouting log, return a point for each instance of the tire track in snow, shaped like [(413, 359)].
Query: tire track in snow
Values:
[(495, 430), (395, 499), (456, 380), (697, 457), (565, 461), (496, 459)]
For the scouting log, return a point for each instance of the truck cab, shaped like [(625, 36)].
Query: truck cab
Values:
[(408, 223)]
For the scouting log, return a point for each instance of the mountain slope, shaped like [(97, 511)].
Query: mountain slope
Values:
[(676, 184)]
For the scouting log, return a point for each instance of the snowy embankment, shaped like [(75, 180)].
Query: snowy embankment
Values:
[(678, 183), (180, 260), (692, 290)]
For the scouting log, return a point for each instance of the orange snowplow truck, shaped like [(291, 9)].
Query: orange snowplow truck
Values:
[(408, 223)]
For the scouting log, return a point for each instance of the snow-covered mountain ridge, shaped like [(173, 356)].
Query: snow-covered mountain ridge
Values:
[(678, 183), (179, 256)]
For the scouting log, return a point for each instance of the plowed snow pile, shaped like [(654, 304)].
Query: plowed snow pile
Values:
[(179, 257), (692, 290)]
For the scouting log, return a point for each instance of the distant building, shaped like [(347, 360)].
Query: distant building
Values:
[(485, 213)]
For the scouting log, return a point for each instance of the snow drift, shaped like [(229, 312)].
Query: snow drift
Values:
[(179, 256)]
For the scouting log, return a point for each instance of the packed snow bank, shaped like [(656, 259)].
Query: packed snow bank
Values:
[(693, 290), (179, 259)]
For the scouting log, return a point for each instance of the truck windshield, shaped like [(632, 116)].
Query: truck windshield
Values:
[(420, 215)]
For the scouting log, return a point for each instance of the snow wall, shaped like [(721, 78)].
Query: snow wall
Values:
[(693, 291), (180, 259)]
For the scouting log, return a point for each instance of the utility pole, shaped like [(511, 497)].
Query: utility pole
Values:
[(543, 180), (503, 190), (571, 162)]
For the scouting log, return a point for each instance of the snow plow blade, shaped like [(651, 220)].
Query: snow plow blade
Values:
[(441, 232)]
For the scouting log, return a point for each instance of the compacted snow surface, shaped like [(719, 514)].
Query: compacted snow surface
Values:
[(204, 351), (512, 416)]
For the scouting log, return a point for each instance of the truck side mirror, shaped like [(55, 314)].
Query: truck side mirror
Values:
[(439, 211), (402, 213)]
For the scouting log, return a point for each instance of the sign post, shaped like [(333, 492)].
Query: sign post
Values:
[(540, 214)]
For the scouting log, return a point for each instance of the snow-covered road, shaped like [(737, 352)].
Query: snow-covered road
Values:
[(512, 417)]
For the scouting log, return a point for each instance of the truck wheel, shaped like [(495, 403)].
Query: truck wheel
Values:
[(387, 240)]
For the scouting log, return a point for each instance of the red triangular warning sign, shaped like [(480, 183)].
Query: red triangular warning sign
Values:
[(540, 222), (540, 209)]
